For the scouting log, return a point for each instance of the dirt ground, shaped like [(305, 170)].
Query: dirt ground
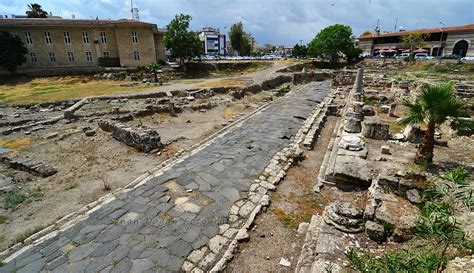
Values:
[(90, 167)]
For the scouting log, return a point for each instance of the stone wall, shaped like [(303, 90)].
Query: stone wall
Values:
[(29, 165), (143, 139)]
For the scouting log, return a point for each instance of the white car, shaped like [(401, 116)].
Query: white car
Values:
[(468, 59), (423, 57)]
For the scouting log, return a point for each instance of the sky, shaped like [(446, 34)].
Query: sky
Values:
[(275, 22)]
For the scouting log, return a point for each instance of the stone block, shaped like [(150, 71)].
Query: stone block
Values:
[(354, 170), (143, 139), (375, 231), (351, 143), (352, 125), (385, 150), (375, 130)]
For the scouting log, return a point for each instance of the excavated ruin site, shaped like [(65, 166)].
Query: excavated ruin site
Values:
[(288, 168)]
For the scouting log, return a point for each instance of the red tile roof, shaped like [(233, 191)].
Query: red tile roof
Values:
[(425, 30), (69, 22)]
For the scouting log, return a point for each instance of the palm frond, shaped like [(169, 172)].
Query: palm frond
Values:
[(414, 113), (435, 103)]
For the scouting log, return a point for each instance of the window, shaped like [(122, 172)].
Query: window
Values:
[(33, 57), (29, 39), (88, 56), (67, 38), (103, 37), (136, 55), (85, 37), (70, 56), (134, 37), (106, 54), (47, 37), (52, 57)]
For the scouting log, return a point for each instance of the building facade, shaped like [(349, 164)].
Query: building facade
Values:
[(213, 42), (457, 40), (72, 43)]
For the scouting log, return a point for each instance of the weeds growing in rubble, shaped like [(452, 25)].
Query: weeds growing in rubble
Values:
[(440, 235)]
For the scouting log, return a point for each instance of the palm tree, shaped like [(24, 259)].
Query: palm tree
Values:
[(433, 107), (36, 11)]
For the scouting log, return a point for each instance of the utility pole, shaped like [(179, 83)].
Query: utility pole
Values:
[(440, 42)]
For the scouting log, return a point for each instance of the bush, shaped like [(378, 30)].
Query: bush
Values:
[(403, 260), (13, 199)]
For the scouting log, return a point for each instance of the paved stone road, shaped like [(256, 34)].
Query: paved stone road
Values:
[(156, 225)]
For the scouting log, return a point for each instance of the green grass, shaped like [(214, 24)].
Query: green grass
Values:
[(13, 199)]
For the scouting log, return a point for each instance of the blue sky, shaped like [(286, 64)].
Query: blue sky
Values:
[(270, 21)]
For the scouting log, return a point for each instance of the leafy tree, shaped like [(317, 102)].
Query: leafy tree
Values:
[(36, 11), (268, 48), (353, 54), (153, 67), (183, 44), (414, 40), (12, 51), (433, 107), (240, 40), (300, 50), (332, 43), (365, 33)]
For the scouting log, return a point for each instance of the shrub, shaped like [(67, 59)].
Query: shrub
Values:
[(13, 199), (402, 260)]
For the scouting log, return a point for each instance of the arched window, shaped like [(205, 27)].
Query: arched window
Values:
[(460, 48)]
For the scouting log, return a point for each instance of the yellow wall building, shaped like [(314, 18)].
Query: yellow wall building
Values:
[(88, 44)]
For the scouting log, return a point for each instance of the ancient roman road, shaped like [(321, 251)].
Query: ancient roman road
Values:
[(156, 225)]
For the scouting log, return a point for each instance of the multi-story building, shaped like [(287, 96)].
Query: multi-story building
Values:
[(55, 44), (213, 42), (458, 40)]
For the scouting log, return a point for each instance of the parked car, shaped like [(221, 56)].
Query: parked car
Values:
[(468, 59), (423, 57), (402, 56), (450, 57), (380, 56)]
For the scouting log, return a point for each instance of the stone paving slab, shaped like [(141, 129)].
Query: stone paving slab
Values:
[(156, 225)]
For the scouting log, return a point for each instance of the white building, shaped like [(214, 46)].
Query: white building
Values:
[(214, 43)]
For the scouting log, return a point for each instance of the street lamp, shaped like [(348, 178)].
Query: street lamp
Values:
[(440, 41)]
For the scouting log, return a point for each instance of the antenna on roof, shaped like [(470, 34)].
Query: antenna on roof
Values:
[(134, 11), (377, 28)]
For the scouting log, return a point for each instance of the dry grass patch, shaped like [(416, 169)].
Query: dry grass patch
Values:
[(223, 83), (15, 143), (49, 89), (230, 113), (307, 202)]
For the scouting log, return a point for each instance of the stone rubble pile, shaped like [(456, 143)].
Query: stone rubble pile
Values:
[(346, 161), (344, 217), (395, 214), (390, 210), (143, 139), (29, 165)]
